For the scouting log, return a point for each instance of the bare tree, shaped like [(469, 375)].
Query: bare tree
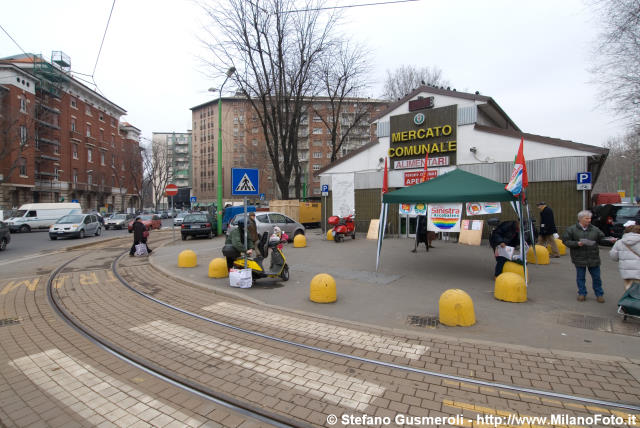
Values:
[(274, 46), (406, 78), (158, 171), (342, 76), (134, 158), (617, 56), (622, 165)]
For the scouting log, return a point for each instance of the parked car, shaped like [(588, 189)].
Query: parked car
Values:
[(152, 221), (164, 214), (5, 235), (75, 225), (117, 221), (623, 215), (177, 221), (198, 224), (265, 221), (40, 215)]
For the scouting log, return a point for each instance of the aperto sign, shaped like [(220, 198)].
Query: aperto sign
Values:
[(432, 131)]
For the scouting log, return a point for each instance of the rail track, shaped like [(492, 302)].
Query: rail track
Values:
[(279, 368)]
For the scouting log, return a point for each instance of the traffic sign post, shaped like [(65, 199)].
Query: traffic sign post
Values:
[(583, 180), (245, 181), (172, 190), (325, 193)]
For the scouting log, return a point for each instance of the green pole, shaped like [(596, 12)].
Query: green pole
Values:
[(230, 71), (304, 185)]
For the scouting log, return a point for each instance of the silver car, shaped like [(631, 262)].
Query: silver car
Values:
[(179, 218), (265, 221), (76, 225), (117, 221)]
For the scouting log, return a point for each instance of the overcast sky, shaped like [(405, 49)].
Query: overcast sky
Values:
[(531, 57)]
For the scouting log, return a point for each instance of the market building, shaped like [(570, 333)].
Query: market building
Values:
[(457, 130), (62, 141)]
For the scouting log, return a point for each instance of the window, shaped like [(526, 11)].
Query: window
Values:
[(87, 110), (75, 151), (101, 158), (316, 167), (75, 176), (317, 143), (23, 104), (113, 160), (74, 103), (317, 131), (73, 124), (89, 155), (88, 130), (23, 167), (328, 155), (101, 117), (56, 149), (89, 178), (23, 135), (113, 122), (317, 118), (317, 155)]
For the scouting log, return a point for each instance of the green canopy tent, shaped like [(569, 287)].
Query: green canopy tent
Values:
[(454, 186)]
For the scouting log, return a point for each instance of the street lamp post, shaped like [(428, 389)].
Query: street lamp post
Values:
[(230, 72)]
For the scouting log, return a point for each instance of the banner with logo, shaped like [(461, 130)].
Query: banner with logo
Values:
[(413, 209), (480, 208), (444, 217)]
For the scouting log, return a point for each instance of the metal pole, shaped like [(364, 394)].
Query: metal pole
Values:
[(633, 195), (219, 184), (173, 226), (246, 227)]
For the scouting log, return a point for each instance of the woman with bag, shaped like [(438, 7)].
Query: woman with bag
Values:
[(626, 251), (140, 234)]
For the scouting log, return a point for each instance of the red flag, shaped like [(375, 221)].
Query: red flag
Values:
[(520, 160), (385, 178), (426, 163)]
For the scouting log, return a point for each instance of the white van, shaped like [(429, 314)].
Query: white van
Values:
[(40, 216)]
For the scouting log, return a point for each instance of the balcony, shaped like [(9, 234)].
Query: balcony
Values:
[(50, 185), (42, 140), (49, 157), (79, 186), (76, 136), (47, 124), (182, 151), (104, 189)]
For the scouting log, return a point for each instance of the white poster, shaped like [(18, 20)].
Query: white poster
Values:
[(444, 217), (480, 208), (342, 186)]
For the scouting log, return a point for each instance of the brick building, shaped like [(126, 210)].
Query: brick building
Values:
[(60, 140), (244, 146)]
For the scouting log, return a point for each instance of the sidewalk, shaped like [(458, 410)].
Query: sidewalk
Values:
[(410, 284)]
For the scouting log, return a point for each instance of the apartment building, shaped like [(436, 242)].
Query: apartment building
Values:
[(244, 146), (62, 141), (179, 157)]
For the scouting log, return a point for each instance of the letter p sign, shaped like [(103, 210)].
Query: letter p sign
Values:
[(584, 181)]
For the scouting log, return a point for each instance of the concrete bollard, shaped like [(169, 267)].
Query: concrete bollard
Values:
[(510, 287), (562, 249), (299, 241), (455, 307), (187, 258), (218, 268), (330, 234), (322, 289), (514, 268), (541, 253)]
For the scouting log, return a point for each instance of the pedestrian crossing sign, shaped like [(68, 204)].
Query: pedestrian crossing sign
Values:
[(245, 181)]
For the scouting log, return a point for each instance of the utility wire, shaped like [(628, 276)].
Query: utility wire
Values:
[(348, 6), (16, 43), (103, 37)]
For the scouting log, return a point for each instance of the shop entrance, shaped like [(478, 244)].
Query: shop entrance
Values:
[(407, 226)]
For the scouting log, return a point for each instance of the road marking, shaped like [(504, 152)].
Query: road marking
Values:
[(31, 285), (331, 333), (94, 395), (318, 382)]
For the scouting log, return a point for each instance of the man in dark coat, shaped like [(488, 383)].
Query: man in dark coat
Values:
[(547, 229), (506, 234), (139, 230), (582, 239)]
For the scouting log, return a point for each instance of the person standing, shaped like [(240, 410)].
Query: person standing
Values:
[(139, 232), (582, 239), (547, 229), (626, 251)]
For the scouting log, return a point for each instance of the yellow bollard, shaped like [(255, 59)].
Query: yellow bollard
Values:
[(322, 289), (514, 268), (330, 234), (187, 258), (218, 268), (299, 241), (510, 287), (562, 249), (456, 308), (541, 253)]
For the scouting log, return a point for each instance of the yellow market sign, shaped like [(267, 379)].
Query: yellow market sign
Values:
[(417, 133)]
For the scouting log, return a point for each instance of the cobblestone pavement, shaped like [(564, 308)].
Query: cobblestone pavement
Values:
[(52, 376)]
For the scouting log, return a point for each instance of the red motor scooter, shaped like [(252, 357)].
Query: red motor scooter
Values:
[(342, 226)]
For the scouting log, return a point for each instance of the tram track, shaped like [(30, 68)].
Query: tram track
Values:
[(363, 363)]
